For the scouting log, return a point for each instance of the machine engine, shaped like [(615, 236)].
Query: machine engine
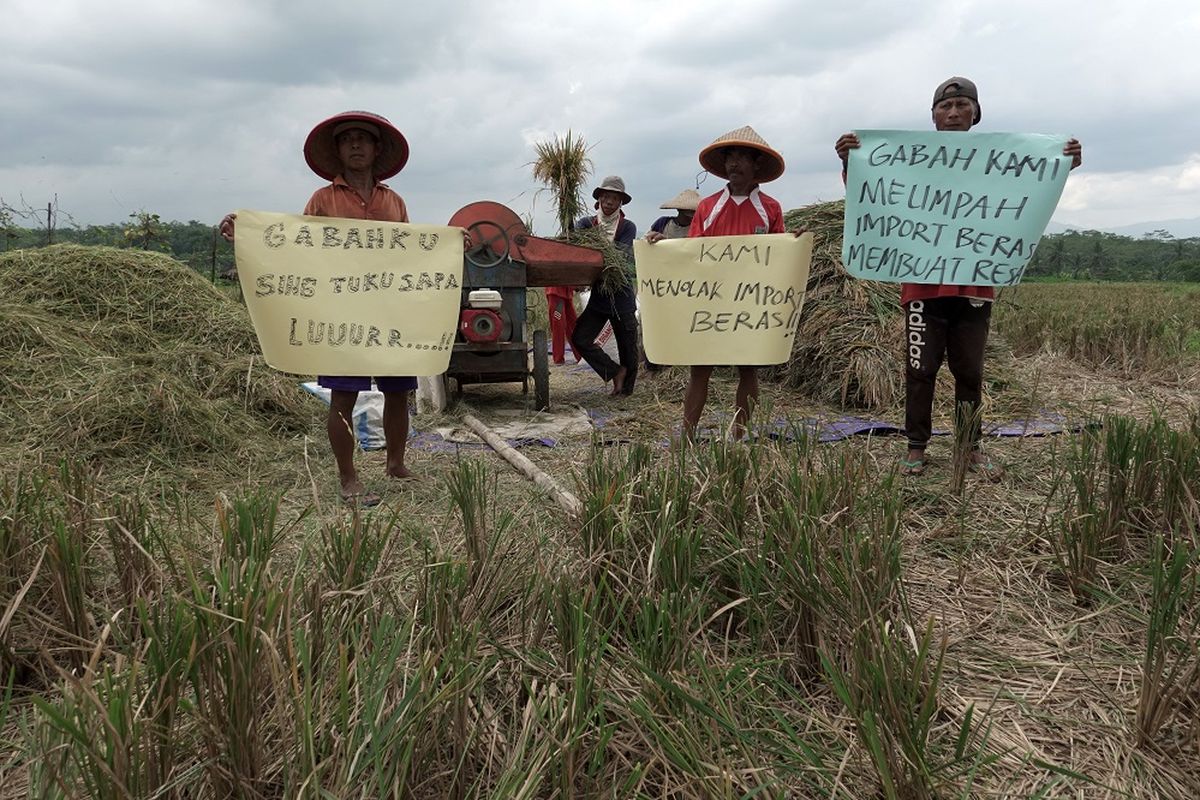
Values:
[(480, 325)]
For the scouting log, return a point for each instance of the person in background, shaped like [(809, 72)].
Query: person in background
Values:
[(356, 151), (617, 307), (673, 227), (560, 305), (676, 226), (943, 320)]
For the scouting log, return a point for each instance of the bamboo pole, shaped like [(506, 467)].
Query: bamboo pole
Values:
[(569, 502)]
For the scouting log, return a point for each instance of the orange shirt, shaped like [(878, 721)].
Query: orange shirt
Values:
[(340, 199)]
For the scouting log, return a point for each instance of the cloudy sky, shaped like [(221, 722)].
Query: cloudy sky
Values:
[(189, 109)]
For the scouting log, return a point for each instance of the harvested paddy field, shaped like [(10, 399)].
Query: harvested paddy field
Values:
[(187, 610)]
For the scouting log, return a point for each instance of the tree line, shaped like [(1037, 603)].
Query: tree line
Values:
[(195, 243), (1101, 256), (1072, 255)]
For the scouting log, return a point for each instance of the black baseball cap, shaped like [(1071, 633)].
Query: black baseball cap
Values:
[(958, 87)]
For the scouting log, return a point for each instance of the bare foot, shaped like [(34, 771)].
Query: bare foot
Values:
[(355, 494), (619, 381), (401, 474)]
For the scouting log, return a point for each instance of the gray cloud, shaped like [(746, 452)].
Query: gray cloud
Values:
[(192, 108)]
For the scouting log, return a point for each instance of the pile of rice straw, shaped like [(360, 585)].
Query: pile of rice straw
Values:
[(111, 353), (849, 344)]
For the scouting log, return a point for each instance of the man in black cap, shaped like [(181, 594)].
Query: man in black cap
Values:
[(944, 320)]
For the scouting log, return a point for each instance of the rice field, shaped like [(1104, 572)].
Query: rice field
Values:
[(775, 619), (1130, 328)]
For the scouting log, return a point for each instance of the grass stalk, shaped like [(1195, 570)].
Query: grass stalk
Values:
[(1171, 660)]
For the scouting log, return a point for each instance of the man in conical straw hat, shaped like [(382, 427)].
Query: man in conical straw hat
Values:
[(356, 151), (673, 227), (944, 320), (744, 160), (676, 227)]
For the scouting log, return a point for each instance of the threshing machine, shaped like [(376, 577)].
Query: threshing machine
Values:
[(500, 261)]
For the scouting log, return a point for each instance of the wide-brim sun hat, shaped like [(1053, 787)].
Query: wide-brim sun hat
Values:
[(613, 183), (712, 157), (321, 153), (687, 200)]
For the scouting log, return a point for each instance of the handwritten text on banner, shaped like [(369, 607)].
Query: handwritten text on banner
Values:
[(722, 300), (949, 207), (348, 296)]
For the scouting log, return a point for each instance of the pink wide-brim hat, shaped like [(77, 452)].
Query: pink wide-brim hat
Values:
[(321, 153)]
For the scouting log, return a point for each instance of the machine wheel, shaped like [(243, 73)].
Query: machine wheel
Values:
[(541, 372), (489, 244)]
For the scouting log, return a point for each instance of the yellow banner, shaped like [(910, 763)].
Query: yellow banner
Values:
[(722, 300), (350, 296)]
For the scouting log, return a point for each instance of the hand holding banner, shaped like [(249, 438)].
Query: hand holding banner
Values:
[(949, 207), (350, 296), (722, 300)]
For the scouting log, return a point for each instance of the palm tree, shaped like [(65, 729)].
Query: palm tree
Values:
[(1058, 255), (1098, 265), (563, 165)]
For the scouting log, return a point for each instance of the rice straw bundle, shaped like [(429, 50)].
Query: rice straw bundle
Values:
[(849, 342), (618, 272)]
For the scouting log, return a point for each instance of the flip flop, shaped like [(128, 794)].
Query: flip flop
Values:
[(987, 469), (362, 500), (914, 467)]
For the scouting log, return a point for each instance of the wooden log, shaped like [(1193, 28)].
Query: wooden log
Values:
[(569, 502)]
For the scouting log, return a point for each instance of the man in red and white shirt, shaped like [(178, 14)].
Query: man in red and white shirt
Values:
[(745, 160), (946, 320)]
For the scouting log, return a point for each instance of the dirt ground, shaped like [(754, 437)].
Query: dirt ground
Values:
[(1018, 389)]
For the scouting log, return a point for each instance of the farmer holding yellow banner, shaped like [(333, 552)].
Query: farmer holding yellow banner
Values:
[(724, 302), (950, 262), (355, 151)]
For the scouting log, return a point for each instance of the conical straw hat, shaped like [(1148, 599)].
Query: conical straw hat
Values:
[(687, 200), (712, 158)]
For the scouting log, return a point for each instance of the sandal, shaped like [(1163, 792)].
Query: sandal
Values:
[(912, 467), (987, 469)]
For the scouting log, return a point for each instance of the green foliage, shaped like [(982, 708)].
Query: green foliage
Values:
[(1125, 483), (1171, 663), (146, 232), (8, 229)]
